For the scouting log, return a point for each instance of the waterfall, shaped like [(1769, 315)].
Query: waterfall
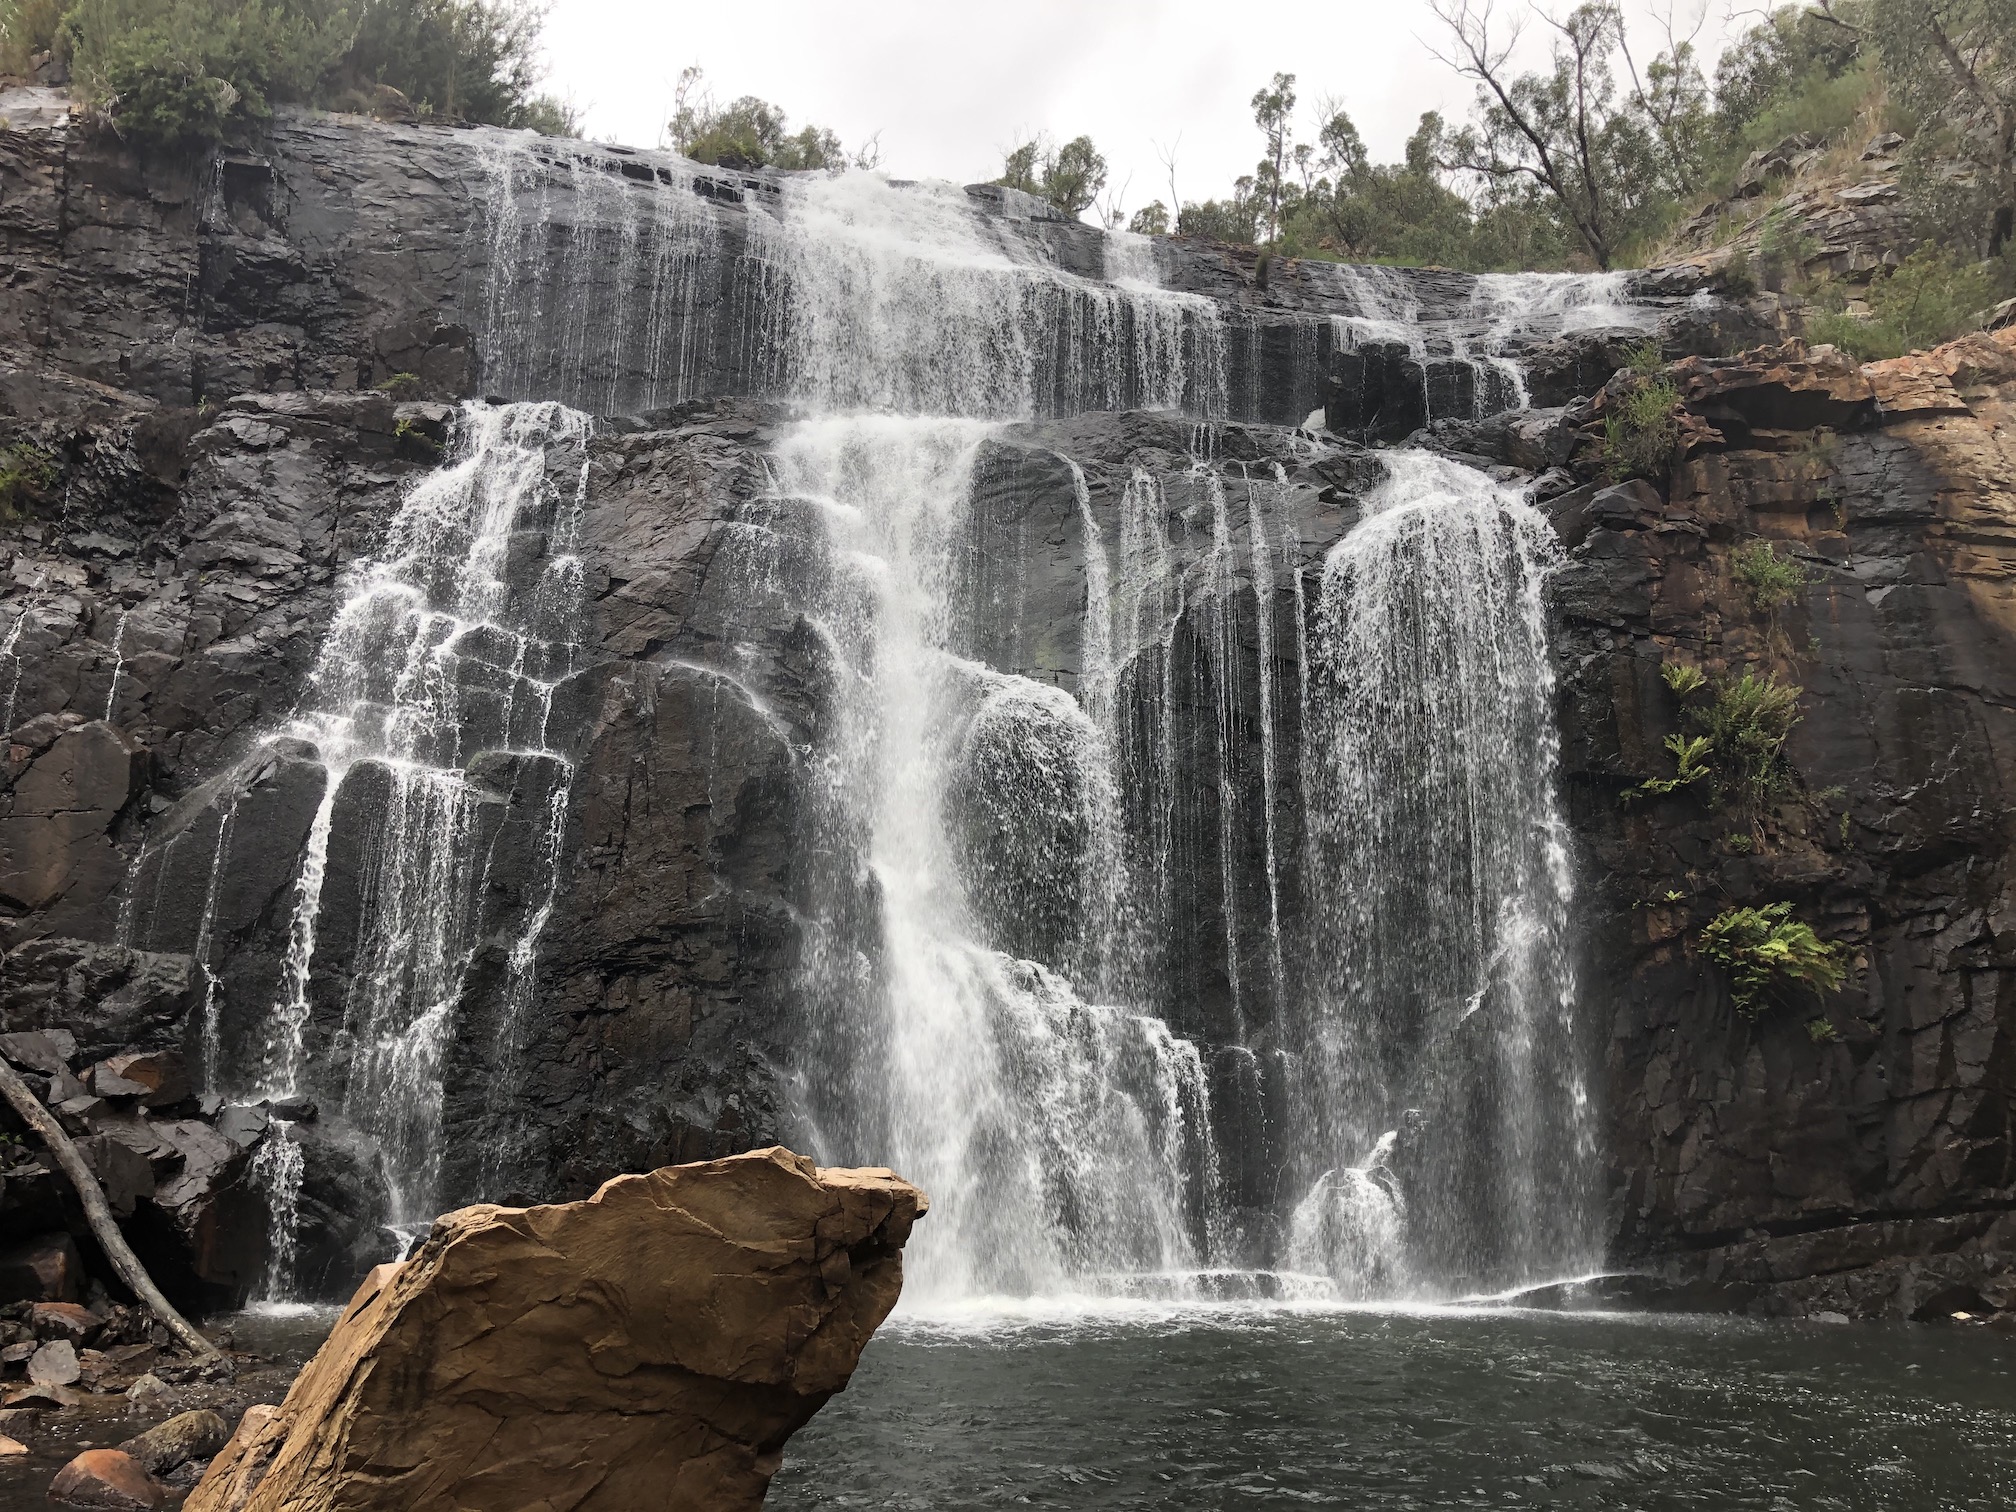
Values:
[(1443, 1003), (1063, 1139), (429, 705), (1241, 941), (610, 280), (428, 715)]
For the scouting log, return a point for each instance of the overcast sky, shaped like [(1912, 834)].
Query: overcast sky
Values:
[(951, 85)]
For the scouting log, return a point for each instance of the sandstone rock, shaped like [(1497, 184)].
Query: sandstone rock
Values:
[(1783, 388), (124, 1172), (104, 997), (1375, 393), (55, 1364), (62, 1320), (41, 1398), (45, 1268), (53, 825), (1937, 382), (105, 1481), (654, 1345), (1903, 644), (241, 1124), (106, 1082), (10, 1447), (46, 1050), (1783, 157), (184, 1437), (161, 1073)]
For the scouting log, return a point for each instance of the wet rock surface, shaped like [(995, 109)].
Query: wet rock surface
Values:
[(168, 1425), (1850, 1154), (221, 460)]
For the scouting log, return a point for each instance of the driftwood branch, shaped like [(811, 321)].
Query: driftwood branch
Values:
[(99, 1212)]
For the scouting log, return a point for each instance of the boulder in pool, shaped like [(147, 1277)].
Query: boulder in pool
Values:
[(106, 1480), (650, 1347)]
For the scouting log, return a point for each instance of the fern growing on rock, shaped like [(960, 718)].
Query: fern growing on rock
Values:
[(1771, 956)]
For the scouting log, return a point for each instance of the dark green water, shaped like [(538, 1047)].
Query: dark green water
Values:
[(1283, 1408)]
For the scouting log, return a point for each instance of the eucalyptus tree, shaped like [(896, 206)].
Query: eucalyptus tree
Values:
[(1953, 63), (1567, 131)]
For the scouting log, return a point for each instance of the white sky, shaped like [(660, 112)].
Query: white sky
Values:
[(950, 86)]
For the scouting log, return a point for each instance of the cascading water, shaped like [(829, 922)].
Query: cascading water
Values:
[(1442, 1003), (1063, 1140), (1016, 843), (430, 702), (428, 712), (1005, 914)]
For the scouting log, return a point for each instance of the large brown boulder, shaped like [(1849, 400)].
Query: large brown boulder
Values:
[(653, 1346), (105, 1480)]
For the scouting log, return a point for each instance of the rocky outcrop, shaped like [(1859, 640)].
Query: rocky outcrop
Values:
[(337, 253), (1855, 1154), (652, 1346), (105, 1480), (1805, 208), (97, 1032), (198, 367)]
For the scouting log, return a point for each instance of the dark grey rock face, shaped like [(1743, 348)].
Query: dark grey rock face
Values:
[(198, 358), (1851, 1153), (342, 253)]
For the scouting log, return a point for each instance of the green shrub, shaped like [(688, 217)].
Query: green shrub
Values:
[(180, 74), (1744, 726), (1772, 581), (1747, 724), (1641, 430), (406, 433), (29, 27), (1931, 297), (26, 473), (746, 133), (1689, 754), (400, 385), (1770, 955), (1646, 359), (1822, 1031), (1785, 245), (1863, 340)]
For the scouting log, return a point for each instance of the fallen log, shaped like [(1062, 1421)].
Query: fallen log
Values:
[(98, 1212)]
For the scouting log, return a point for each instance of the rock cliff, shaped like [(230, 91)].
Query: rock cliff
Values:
[(1855, 1156), (203, 454)]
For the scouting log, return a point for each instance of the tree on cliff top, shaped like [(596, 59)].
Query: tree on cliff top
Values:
[(182, 73), (1591, 149), (1953, 62), (1069, 177), (751, 133)]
